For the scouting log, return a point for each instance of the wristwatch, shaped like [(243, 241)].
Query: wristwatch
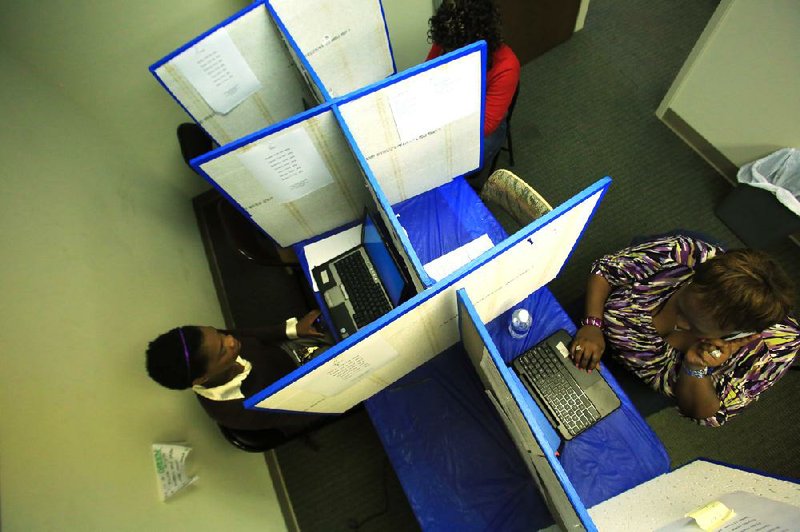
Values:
[(697, 373)]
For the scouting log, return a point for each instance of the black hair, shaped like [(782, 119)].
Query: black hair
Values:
[(167, 360), (458, 23)]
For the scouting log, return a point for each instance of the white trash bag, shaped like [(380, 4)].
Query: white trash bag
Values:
[(778, 173)]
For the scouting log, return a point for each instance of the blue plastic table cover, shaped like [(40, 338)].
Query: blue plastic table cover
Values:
[(452, 454)]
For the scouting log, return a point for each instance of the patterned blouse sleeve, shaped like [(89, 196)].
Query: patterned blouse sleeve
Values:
[(760, 368), (645, 260)]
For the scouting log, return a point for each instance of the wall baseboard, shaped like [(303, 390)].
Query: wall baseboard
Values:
[(698, 143), (285, 504)]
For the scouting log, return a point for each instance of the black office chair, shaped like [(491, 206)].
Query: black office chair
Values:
[(193, 141), (254, 441), (509, 147), (249, 242)]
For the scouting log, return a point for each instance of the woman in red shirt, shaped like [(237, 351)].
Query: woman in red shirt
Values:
[(458, 23)]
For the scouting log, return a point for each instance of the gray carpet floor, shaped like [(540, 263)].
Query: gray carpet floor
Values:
[(587, 109)]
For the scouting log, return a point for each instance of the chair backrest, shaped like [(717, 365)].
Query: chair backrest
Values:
[(254, 441), (512, 105), (514, 196)]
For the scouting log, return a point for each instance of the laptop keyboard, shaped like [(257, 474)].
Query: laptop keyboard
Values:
[(556, 388), (367, 297)]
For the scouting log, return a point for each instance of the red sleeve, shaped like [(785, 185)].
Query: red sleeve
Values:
[(501, 82), (436, 51)]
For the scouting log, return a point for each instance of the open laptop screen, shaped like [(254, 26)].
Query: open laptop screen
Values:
[(392, 278)]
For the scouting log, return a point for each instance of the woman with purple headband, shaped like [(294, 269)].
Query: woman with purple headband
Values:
[(709, 328), (225, 367)]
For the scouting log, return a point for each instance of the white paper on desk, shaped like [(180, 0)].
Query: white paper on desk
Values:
[(431, 100), (170, 462), (217, 70), (443, 266), (753, 512), (321, 251), (287, 164)]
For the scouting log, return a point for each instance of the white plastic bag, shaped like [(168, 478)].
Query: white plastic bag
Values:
[(778, 173)]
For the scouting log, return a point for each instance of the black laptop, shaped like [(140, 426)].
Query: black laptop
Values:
[(365, 282), (572, 399)]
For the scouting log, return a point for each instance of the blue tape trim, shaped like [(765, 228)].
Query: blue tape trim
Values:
[(743, 468), (516, 393), (409, 72), (202, 36), (484, 52), (333, 352), (196, 121), (303, 59), (534, 226), (388, 40), (257, 135), (161, 62)]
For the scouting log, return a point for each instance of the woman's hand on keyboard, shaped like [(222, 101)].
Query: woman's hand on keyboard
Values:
[(587, 347)]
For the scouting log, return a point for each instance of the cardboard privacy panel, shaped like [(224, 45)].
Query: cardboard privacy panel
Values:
[(343, 45), (530, 259), (296, 180), (237, 78), (565, 506), (421, 128), (413, 333)]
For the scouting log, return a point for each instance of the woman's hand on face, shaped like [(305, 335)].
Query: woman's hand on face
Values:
[(713, 352), (305, 325), (587, 347)]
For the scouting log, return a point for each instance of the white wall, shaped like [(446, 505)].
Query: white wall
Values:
[(100, 253), (407, 21), (740, 86)]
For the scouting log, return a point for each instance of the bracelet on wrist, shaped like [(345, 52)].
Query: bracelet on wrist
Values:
[(593, 321), (696, 373)]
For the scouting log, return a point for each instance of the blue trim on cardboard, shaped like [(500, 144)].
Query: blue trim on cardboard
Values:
[(258, 135), (534, 226), (516, 393), (742, 468), (243, 141), (484, 52), (203, 35), (303, 59), (409, 72), (388, 40), (420, 298), (428, 65), (196, 121), (382, 200), (252, 401), (167, 58)]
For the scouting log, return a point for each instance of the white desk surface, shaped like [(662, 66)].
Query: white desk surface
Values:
[(668, 497)]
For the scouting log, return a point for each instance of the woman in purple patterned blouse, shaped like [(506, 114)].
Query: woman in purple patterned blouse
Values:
[(709, 328)]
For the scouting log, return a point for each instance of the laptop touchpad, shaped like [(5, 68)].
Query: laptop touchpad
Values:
[(334, 297)]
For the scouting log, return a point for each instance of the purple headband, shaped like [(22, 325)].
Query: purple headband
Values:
[(185, 353)]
